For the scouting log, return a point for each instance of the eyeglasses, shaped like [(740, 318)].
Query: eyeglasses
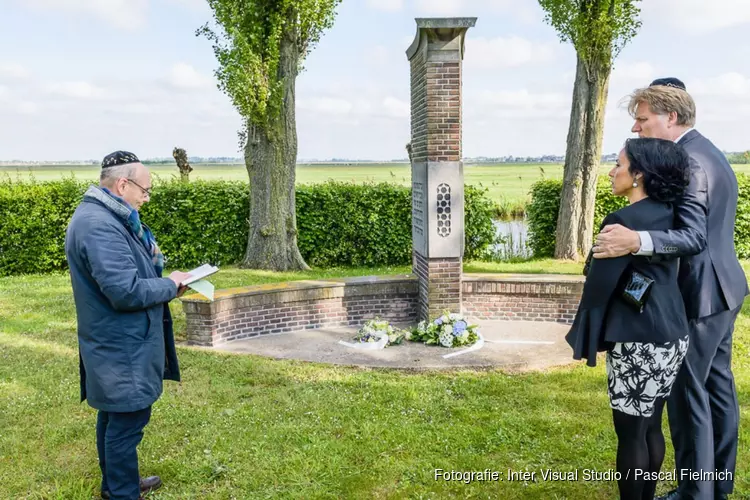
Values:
[(147, 192)]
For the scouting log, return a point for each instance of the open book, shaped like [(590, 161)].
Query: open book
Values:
[(199, 273)]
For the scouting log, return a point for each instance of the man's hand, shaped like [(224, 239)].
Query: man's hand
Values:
[(178, 277), (615, 241)]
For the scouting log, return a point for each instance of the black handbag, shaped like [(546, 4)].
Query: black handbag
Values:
[(635, 289)]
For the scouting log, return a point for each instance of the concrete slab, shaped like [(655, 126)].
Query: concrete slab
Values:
[(509, 345)]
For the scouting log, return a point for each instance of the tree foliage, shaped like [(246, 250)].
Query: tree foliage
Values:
[(246, 39), (260, 46), (598, 29), (181, 158)]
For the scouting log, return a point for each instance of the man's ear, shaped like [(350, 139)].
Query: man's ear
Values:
[(672, 118), (119, 184)]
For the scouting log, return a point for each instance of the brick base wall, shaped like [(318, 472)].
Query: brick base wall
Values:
[(439, 285), (285, 307), (522, 297)]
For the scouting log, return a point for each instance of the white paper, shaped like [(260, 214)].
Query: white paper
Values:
[(199, 273), (203, 287)]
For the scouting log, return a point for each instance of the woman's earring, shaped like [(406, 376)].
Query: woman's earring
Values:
[(635, 184)]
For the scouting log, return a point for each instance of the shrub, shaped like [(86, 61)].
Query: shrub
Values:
[(545, 204), (542, 216), (742, 222), (354, 224), (370, 224), (207, 221), (480, 234), (33, 217), (200, 221)]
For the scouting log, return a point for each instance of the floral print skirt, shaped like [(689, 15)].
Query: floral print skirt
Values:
[(641, 372)]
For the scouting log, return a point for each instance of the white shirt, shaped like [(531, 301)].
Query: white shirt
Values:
[(647, 244)]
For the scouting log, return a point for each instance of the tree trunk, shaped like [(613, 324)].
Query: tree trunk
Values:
[(598, 90), (270, 158), (566, 237), (576, 215)]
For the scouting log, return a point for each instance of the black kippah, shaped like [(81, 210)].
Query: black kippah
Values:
[(669, 82), (119, 158)]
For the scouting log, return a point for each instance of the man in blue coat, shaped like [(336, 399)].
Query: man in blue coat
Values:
[(125, 338)]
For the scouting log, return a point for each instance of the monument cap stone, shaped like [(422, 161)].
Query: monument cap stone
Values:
[(441, 28)]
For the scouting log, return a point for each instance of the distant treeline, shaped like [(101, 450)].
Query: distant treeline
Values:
[(171, 161), (739, 158), (735, 158)]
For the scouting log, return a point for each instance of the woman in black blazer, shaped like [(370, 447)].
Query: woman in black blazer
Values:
[(645, 337)]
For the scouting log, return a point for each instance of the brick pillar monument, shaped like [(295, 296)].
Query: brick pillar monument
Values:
[(436, 168)]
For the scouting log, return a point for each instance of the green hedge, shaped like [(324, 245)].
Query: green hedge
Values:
[(203, 221), (541, 214), (742, 221), (359, 225), (207, 221), (545, 204), (33, 218)]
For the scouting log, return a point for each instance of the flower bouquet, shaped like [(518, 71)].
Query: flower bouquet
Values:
[(375, 330), (449, 330)]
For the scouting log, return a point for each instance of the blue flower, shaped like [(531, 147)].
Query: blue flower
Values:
[(459, 328), (439, 321)]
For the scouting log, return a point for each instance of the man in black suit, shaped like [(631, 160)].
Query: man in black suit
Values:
[(703, 408)]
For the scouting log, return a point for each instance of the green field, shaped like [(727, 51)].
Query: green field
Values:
[(508, 184)]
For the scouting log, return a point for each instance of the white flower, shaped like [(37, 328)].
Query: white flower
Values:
[(454, 316), (448, 329), (446, 339)]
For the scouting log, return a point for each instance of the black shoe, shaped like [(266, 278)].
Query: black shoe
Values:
[(147, 484), (672, 495)]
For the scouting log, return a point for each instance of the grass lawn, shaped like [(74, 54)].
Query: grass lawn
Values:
[(508, 183), (249, 427), (538, 266)]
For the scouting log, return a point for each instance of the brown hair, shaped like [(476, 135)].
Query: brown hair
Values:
[(663, 100)]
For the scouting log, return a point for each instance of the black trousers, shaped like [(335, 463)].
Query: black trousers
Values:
[(703, 410), (117, 436)]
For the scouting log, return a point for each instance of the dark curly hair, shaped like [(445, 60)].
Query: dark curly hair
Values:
[(664, 164)]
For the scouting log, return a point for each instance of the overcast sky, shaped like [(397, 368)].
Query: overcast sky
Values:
[(80, 78)]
